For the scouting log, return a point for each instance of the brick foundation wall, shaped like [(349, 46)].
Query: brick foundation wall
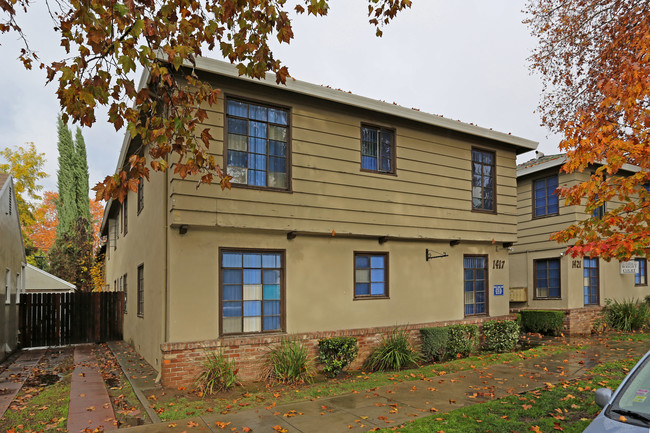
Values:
[(181, 362), (581, 320)]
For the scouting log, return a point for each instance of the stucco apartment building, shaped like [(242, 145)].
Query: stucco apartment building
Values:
[(12, 262), (347, 216), (541, 276)]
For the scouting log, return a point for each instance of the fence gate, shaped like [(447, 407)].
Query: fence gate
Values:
[(58, 319)]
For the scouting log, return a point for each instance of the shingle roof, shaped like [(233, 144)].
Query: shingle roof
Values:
[(3, 179), (540, 160)]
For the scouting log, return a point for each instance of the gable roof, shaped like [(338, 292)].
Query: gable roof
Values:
[(6, 181), (543, 162), (38, 280)]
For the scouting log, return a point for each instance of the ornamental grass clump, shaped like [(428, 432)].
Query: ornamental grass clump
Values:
[(218, 374), (395, 352), (336, 354), (627, 315), (288, 362)]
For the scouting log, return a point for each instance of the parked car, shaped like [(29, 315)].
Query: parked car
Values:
[(628, 408)]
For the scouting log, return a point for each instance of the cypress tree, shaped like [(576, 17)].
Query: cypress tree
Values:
[(71, 256)]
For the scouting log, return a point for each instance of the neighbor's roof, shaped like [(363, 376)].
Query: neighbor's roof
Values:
[(37, 279), (544, 162)]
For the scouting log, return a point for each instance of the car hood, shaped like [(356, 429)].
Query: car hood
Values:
[(602, 424)]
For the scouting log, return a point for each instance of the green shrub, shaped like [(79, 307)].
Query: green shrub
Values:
[(547, 322), (500, 336), (626, 315), (647, 299), (218, 374), (288, 362), (463, 340), (393, 353), (434, 343), (336, 354)]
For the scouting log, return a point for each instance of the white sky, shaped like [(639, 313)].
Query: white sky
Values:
[(463, 59)]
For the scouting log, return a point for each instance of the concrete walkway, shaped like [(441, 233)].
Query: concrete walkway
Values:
[(17, 372), (401, 402), (90, 406)]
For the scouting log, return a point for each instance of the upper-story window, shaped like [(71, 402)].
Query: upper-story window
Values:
[(140, 195), (377, 149), (125, 215), (483, 180), (545, 201), (257, 144)]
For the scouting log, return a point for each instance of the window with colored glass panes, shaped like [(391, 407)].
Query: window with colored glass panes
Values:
[(591, 281), (545, 200), (641, 274), (257, 144), (370, 275), (377, 149), (251, 291), (475, 284), (483, 180), (547, 278)]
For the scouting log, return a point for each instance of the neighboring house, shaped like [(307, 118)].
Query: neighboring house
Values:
[(39, 281), (541, 276), (12, 262), (347, 216)]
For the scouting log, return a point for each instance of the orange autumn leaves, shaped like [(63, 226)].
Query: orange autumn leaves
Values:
[(43, 231)]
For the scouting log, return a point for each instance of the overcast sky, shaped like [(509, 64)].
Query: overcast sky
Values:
[(463, 59)]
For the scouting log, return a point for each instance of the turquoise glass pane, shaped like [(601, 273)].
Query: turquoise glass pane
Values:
[(271, 323), (271, 292), (231, 260), (252, 308)]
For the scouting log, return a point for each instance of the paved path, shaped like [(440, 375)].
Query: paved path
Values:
[(90, 406), (13, 378), (400, 402)]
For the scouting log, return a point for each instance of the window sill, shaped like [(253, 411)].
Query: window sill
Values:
[(383, 173), (253, 334), (368, 298), (547, 299), (261, 188)]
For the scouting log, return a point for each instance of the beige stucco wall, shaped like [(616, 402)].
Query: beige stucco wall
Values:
[(144, 243), (12, 257), (319, 281)]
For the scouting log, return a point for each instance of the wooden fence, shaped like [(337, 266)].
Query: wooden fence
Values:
[(58, 319)]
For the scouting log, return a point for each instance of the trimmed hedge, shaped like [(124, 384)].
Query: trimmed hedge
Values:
[(463, 340), (547, 322), (434, 343), (500, 336), (336, 354)]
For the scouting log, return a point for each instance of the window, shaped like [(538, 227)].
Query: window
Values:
[(140, 195), (599, 212), (252, 291), (257, 144), (483, 180), (370, 275), (641, 276), (19, 288), (475, 282), (125, 292), (547, 278), (377, 149), (141, 290), (591, 281), (115, 285), (125, 215), (545, 202), (8, 287)]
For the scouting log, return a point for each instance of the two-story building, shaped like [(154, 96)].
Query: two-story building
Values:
[(347, 216), (541, 275)]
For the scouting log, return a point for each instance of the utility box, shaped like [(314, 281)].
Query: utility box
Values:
[(518, 294)]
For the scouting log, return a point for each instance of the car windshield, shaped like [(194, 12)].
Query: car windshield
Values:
[(634, 398)]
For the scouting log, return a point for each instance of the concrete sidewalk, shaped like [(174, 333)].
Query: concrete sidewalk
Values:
[(18, 371), (401, 402)]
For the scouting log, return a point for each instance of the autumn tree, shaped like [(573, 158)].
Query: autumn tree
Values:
[(594, 58), (106, 41), (25, 164)]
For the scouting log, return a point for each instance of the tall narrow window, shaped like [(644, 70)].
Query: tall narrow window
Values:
[(483, 180), (252, 287), (8, 287), (377, 149), (370, 275), (141, 290), (140, 195), (591, 281), (19, 287), (257, 144), (641, 276), (475, 282), (547, 278), (124, 288), (545, 201), (125, 215)]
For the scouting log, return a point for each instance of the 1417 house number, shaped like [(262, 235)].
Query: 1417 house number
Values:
[(498, 264)]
